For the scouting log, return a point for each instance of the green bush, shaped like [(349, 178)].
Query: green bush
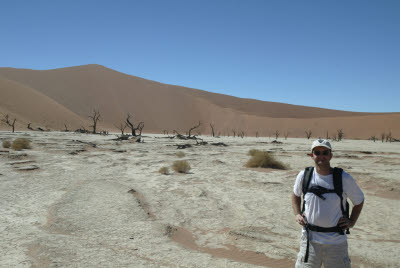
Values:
[(264, 159), (21, 143), (180, 154), (6, 144), (164, 170), (181, 166)]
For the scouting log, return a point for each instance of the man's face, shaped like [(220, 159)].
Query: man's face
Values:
[(321, 156)]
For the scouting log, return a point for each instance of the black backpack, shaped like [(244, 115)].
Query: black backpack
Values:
[(337, 184)]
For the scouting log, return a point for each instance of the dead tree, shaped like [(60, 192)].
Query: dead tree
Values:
[(95, 118), (29, 126), (256, 134), (212, 130), (139, 126), (234, 133), (66, 129), (241, 134), (286, 134), (7, 120), (190, 130), (82, 130), (308, 134), (373, 138), (327, 135), (121, 128), (277, 133), (389, 137), (178, 135), (340, 134)]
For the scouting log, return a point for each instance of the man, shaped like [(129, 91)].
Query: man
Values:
[(324, 218)]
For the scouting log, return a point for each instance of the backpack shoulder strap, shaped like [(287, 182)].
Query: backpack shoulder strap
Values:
[(307, 179), (337, 181), (338, 187), (306, 183)]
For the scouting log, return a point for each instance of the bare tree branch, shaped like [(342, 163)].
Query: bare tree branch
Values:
[(308, 133), (340, 134), (389, 137), (95, 118), (190, 130), (212, 129), (121, 127), (132, 127), (6, 120), (277, 133), (140, 127), (286, 134)]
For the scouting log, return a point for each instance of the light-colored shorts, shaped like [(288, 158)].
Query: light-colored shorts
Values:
[(335, 256)]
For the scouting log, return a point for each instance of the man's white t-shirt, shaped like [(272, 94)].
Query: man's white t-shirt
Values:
[(326, 213)]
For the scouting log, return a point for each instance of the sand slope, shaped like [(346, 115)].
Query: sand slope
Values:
[(30, 106), (80, 89)]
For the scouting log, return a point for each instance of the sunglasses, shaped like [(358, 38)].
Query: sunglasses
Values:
[(326, 152)]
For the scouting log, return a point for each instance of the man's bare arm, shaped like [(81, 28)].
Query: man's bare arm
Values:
[(355, 213), (296, 202)]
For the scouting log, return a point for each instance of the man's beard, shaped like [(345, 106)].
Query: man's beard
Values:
[(322, 163)]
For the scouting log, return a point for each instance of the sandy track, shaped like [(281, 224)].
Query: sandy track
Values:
[(107, 206)]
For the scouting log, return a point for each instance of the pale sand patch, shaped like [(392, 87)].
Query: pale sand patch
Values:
[(107, 206), (187, 239)]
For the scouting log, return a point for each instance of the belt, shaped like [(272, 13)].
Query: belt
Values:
[(309, 227)]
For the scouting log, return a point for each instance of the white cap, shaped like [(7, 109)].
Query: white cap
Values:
[(321, 142)]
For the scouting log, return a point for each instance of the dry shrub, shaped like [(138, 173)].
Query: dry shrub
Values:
[(181, 166), (253, 152), (164, 171), (180, 154), (6, 144), (21, 143), (265, 160)]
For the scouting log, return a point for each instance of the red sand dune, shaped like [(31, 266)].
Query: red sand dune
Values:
[(30, 106), (50, 98)]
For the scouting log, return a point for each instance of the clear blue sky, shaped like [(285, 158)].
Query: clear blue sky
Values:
[(333, 54)]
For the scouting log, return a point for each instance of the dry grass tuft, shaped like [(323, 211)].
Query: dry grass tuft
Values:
[(181, 166), (180, 154), (264, 160), (21, 143), (253, 152), (6, 144), (164, 170)]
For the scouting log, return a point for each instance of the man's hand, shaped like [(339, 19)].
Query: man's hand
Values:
[(346, 223), (296, 200), (300, 220)]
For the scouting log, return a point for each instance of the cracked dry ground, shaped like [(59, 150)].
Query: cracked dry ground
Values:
[(78, 200)]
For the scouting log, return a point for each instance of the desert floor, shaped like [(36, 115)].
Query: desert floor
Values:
[(77, 200)]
